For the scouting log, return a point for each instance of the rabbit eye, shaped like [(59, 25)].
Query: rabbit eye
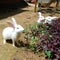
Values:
[(17, 28)]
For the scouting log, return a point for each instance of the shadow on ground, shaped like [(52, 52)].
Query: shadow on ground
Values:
[(49, 10), (18, 43), (10, 10)]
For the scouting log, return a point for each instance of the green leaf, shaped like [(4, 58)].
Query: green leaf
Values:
[(25, 31), (33, 38), (50, 36), (32, 44), (48, 53), (33, 27)]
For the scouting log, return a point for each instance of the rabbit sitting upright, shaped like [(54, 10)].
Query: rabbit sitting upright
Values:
[(40, 18), (12, 32)]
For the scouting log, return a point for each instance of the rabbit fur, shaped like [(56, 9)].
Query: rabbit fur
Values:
[(48, 19), (12, 32), (43, 19), (40, 17)]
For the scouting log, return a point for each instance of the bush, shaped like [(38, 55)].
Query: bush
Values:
[(45, 37)]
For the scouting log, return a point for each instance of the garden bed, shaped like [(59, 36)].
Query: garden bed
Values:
[(25, 17)]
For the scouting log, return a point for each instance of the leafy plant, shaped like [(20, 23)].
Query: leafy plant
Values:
[(48, 38), (32, 43), (48, 53), (52, 41), (36, 32)]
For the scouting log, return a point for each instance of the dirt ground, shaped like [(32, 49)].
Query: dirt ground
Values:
[(24, 17)]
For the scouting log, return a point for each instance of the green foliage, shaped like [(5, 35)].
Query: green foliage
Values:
[(32, 38), (48, 53), (33, 46), (25, 31), (32, 43), (35, 30), (34, 34), (44, 37)]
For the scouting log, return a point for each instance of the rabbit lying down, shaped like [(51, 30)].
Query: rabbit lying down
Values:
[(12, 32), (47, 19)]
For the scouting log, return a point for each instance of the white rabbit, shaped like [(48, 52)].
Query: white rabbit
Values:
[(40, 17), (48, 19), (12, 32)]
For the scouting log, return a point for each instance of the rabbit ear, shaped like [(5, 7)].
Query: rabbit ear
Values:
[(39, 13), (14, 21), (11, 24)]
